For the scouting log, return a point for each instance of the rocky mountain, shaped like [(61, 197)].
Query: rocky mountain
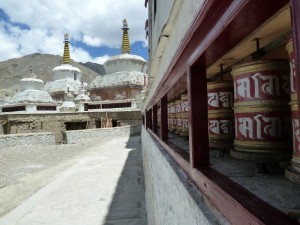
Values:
[(98, 68), (12, 70)]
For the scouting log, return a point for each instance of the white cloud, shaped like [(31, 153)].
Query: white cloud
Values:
[(92, 41), (93, 22)]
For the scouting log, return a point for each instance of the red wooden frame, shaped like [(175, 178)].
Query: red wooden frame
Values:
[(198, 136), (219, 26)]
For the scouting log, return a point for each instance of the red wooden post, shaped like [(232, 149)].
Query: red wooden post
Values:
[(154, 110), (164, 118), (295, 18), (198, 128)]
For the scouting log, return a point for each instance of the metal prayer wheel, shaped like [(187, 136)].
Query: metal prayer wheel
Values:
[(173, 116), (185, 115), (169, 116), (262, 112), (290, 50), (295, 162), (178, 116), (293, 172), (220, 114), (158, 117)]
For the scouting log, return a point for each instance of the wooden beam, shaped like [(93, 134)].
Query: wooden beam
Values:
[(198, 135), (295, 19)]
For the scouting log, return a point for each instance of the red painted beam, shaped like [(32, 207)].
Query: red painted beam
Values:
[(198, 135), (295, 18)]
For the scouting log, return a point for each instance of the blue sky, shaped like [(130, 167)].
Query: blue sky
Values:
[(94, 28)]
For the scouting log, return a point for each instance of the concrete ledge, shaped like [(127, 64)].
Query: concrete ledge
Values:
[(75, 136), (9, 140)]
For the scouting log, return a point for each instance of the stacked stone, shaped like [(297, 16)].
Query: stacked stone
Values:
[(220, 114), (293, 172), (262, 112)]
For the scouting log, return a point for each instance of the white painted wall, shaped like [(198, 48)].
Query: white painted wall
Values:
[(170, 197)]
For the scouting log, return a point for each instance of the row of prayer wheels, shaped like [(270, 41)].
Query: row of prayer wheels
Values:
[(178, 118), (252, 112), (256, 114)]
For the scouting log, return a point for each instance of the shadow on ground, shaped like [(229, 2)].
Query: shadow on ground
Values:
[(128, 204)]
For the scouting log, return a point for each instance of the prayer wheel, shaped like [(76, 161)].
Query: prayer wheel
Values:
[(158, 117), (262, 112), (170, 121), (295, 162), (293, 172), (220, 114), (178, 116), (185, 115), (173, 116)]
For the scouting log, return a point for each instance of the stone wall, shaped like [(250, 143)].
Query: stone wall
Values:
[(77, 135), (26, 139), (55, 122), (170, 197)]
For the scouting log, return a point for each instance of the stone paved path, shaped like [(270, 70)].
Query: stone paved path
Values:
[(104, 187)]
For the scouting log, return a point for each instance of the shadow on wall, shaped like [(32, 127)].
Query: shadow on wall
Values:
[(128, 203)]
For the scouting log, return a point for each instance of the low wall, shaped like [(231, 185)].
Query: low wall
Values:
[(76, 135), (9, 140), (170, 197)]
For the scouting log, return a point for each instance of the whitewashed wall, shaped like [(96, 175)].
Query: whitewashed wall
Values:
[(170, 197)]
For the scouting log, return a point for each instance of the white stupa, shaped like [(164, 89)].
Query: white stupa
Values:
[(125, 77), (31, 98), (68, 104), (65, 77)]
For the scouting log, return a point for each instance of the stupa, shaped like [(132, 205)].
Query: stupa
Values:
[(65, 77), (31, 98), (125, 77)]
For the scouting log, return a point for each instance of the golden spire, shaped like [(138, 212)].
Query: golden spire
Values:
[(66, 58), (125, 39)]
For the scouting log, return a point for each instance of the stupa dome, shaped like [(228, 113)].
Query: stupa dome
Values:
[(125, 62), (32, 91)]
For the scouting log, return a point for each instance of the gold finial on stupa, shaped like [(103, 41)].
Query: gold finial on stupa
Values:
[(66, 57), (125, 39)]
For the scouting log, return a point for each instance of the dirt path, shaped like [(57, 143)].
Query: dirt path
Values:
[(24, 170)]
